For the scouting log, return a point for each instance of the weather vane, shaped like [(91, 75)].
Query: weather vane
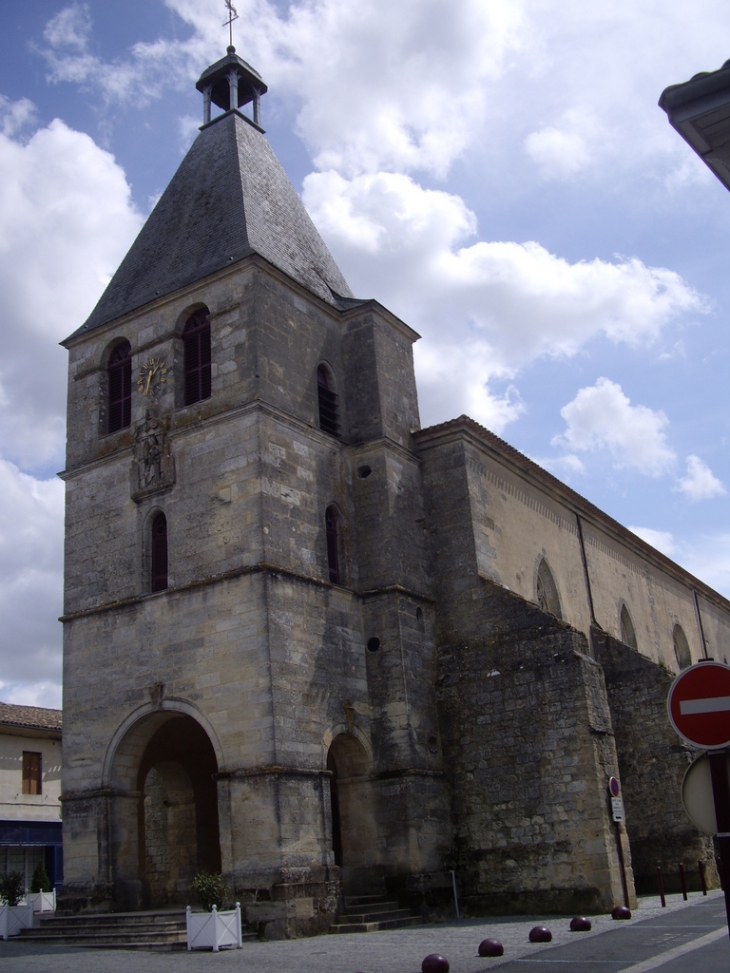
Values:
[(232, 15)]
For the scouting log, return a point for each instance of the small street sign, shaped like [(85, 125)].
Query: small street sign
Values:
[(617, 815), (699, 705)]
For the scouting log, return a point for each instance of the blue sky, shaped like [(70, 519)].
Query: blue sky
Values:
[(497, 172)]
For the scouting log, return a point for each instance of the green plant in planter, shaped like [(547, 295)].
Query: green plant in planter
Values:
[(11, 888), (211, 890), (40, 881)]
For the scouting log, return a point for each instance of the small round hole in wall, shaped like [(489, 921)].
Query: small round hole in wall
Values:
[(364, 472), (433, 743), (373, 644)]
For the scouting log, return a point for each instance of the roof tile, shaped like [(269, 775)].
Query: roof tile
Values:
[(33, 717)]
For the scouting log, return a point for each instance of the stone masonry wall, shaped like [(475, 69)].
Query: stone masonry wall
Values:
[(652, 760), (528, 742)]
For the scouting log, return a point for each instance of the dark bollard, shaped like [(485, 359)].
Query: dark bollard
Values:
[(703, 878), (621, 912), (682, 883), (435, 963), (660, 883), (540, 934), (580, 924), (491, 947)]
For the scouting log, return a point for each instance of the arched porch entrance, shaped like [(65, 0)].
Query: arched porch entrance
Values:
[(164, 810), (354, 819)]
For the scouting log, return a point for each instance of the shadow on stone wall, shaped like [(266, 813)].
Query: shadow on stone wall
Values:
[(652, 760), (528, 745)]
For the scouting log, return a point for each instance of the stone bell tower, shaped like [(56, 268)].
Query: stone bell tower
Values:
[(249, 671)]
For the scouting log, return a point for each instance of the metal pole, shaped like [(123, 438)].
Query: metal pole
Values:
[(622, 866), (682, 883), (456, 897), (721, 795), (660, 883), (703, 880)]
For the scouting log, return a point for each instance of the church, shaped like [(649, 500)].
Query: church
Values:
[(313, 646)]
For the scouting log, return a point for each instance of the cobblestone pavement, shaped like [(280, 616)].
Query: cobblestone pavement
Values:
[(399, 951)]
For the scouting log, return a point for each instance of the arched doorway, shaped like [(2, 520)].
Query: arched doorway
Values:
[(354, 823), (164, 810), (179, 812)]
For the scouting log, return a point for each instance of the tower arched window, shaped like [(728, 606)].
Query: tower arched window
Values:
[(681, 647), (628, 633), (546, 590), (158, 551), (196, 355), (119, 387), (334, 544), (329, 420)]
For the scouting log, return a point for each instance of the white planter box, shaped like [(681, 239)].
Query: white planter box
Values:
[(214, 930), (42, 901), (13, 918)]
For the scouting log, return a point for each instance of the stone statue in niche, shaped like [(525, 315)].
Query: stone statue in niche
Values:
[(154, 467)]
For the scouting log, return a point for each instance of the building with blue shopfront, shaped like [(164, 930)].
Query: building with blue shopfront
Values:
[(30, 787)]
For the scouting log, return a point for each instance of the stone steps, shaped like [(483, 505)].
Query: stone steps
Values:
[(373, 913), (126, 930)]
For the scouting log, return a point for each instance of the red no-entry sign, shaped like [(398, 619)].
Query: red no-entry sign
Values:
[(699, 705)]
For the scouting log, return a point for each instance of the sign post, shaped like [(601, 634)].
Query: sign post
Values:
[(699, 710), (617, 813)]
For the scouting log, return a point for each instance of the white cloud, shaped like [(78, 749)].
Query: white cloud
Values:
[(707, 556), (563, 151), (700, 483), (602, 417), (485, 309), (409, 86), (70, 27), (662, 540), (31, 572), (566, 466), (36, 693), (15, 115), (559, 154), (417, 88), (66, 220)]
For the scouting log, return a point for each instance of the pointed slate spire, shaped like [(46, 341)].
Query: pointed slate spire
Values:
[(229, 198)]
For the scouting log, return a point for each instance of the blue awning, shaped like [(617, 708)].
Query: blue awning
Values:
[(30, 833)]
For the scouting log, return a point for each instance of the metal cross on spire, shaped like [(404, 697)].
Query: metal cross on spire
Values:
[(232, 15)]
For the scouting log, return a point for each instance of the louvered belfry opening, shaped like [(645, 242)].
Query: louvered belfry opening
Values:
[(328, 418), (119, 374), (159, 553), (196, 342), (332, 529)]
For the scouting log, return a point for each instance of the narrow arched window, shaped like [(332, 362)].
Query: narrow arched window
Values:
[(546, 590), (628, 633), (334, 543), (328, 416), (119, 384), (196, 353), (158, 549), (681, 647)]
